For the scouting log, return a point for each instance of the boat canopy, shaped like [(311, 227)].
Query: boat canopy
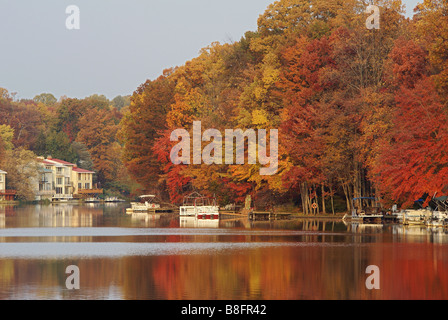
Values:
[(149, 198), (197, 199)]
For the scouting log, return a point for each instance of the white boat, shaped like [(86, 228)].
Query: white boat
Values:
[(196, 205), (439, 215), (399, 215), (412, 217), (437, 219), (147, 202), (433, 212), (113, 199), (150, 204)]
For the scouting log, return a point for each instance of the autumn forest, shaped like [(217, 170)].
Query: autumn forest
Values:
[(360, 112)]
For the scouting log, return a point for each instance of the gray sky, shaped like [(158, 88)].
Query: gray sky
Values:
[(120, 44)]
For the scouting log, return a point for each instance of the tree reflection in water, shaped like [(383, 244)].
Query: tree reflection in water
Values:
[(230, 259)]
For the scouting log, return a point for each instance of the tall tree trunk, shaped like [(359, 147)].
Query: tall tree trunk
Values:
[(307, 199), (304, 195), (315, 201), (323, 200), (346, 188), (332, 198)]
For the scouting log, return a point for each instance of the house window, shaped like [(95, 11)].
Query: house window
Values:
[(87, 186), (59, 170), (67, 180), (79, 176), (59, 190), (59, 181), (79, 186)]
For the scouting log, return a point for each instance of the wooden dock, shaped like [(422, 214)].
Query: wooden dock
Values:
[(163, 210), (153, 210), (390, 219), (264, 215), (225, 213)]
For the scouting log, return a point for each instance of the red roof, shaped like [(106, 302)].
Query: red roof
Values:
[(62, 162), (75, 168), (47, 162), (79, 170)]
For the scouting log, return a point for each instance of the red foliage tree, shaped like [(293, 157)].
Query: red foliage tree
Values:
[(415, 160)]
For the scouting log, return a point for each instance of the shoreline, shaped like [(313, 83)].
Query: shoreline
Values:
[(224, 214), (45, 202), (337, 216)]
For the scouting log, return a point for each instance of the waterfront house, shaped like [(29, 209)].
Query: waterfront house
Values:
[(61, 178), (7, 195), (2, 180), (83, 182), (69, 181), (44, 187)]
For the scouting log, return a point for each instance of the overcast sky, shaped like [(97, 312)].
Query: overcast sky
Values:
[(120, 43)]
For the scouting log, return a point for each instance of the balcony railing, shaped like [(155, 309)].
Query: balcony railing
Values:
[(62, 196), (7, 192), (46, 192), (7, 195)]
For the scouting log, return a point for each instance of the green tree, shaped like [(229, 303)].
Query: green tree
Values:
[(120, 102), (22, 168), (7, 136), (46, 98), (57, 145), (83, 155)]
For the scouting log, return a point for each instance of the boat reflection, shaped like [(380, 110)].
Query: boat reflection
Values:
[(356, 227), (193, 222), (420, 234), (145, 219)]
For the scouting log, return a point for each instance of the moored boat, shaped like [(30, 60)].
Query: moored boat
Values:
[(433, 212), (416, 217), (365, 209), (196, 205), (113, 200), (149, 204), (439, 214)]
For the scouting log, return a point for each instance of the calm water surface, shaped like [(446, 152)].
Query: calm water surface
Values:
[(170, 258)]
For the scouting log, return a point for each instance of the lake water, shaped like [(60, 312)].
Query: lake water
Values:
[(166, 257)]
